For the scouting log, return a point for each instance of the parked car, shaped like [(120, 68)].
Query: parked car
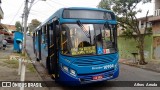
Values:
[(28, 34), (9, 40)]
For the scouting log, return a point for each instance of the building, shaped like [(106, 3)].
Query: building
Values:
[(143, 22), (155, 20), (154, 23), (1, 27), (1, 15), (1, 12), (9, 28), (152, 41), (127, 46)]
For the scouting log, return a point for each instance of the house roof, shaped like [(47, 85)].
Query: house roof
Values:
[(9, 27)]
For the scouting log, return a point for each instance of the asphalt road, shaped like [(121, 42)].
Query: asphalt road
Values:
[(127, 75)]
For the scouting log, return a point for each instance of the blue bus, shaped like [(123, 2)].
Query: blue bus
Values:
[(78, 45)]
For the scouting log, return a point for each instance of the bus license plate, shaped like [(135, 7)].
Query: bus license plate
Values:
[(97, 77)]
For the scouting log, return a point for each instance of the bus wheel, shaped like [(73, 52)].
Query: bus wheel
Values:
[(48, 65), (52, 71), (37, 59)]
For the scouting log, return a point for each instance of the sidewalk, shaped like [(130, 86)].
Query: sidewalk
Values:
[(153, 65), (5, 53), (9, 69)]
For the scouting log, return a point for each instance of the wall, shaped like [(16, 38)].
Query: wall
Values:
[(128, 46), (157, 4), (156, 47), (1, 38), (156, 27)]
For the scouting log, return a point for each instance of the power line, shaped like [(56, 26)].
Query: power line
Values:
[(16, 13), (43, 11), (35, 11), (36, 14), (35, 2), (59, 3), (50, 5), (67, 3)]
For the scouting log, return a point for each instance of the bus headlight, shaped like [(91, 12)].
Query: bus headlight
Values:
[(65, 68), (72, 72), (69, 70)]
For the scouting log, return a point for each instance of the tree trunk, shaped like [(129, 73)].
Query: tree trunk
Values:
[(141, 50)]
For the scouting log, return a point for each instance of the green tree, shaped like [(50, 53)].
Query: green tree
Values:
[(126, 12), (18, 26), (106, 4), (34, 23)]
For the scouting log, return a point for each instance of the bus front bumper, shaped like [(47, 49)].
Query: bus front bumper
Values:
[(68, 79)]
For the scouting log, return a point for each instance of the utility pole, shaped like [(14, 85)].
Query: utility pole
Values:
[(22, 22), (26, 13), (25, 19), (23, 64), (25, 25)]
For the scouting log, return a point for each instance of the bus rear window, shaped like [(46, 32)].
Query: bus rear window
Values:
[(88, 14)]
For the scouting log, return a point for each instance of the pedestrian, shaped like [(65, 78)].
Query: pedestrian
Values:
[(4, 42)]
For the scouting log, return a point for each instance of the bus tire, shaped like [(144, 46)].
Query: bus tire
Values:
[(37, 59), (48, 65)]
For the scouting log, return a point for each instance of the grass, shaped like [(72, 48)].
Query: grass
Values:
[(14, 63), (31, 68), (11, 63)]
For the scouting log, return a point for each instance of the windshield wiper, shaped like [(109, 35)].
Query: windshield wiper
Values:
[(84, 29)]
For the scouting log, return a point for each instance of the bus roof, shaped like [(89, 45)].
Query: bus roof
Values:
[(59, 13)]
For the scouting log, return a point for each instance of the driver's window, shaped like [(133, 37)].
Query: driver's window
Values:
[(107, 43), (64, 40)]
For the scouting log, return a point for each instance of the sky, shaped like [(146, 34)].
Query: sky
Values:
[(41, 10)]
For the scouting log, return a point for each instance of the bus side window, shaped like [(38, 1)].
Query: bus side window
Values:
[(57, 34), (44, 37), (51, 35)]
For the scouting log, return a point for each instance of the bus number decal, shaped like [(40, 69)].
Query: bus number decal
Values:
[(104, 67)]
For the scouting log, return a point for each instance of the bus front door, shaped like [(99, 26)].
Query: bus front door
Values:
[(52, 51)]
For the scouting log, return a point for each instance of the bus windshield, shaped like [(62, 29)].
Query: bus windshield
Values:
[(88, 39)]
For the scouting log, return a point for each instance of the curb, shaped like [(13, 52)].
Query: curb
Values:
[(34, 66), (46, 88), (133, 65)]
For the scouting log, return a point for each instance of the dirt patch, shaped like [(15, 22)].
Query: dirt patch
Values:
[(9, 69)]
